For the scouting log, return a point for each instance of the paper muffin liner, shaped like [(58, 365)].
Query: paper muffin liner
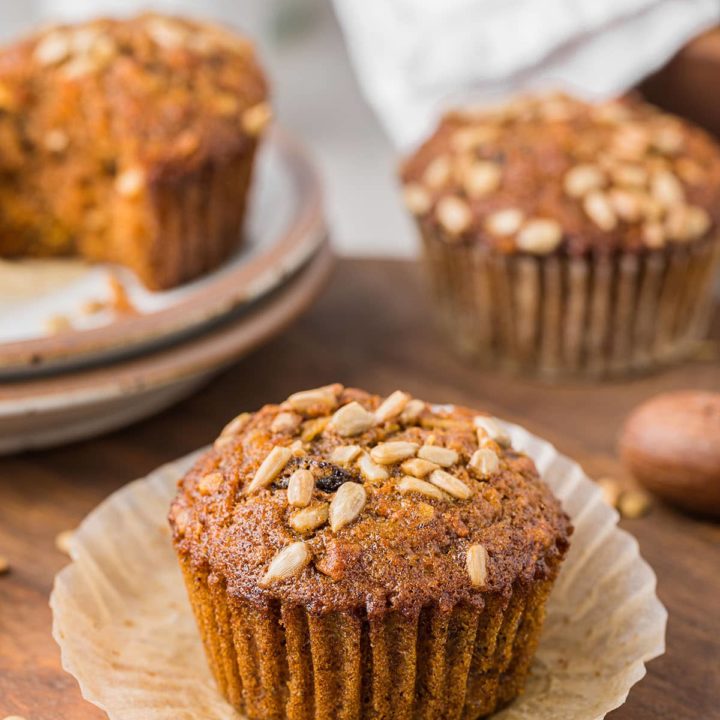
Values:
[(560, 316), (278, 660), (127, 633)]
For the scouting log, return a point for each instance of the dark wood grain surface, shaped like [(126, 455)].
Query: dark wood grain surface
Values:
[(371, 328)]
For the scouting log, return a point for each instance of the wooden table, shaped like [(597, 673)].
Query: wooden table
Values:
[(371, 328)]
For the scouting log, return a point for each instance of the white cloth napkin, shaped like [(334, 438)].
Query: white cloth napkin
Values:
[(416, 57)]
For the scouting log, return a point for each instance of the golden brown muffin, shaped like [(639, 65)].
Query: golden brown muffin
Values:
[(349, 556), (130, 141), (564, 237)]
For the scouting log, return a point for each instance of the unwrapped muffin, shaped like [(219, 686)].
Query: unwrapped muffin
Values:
[(567, 238), (130, 141), (353, 556)]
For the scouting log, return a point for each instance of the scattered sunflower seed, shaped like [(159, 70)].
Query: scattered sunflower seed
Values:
[(351, 419), (300, 488), (324, 398), (412, 412), (539, 236), (273, 464), (286, 422), (345, 454), (417, 467), (370, 470), (309, 518), (450, 484), (409, 484), (290, 561), (485, 462), (476, 563), (392, 406), (347, 504), (445, 457), (392, 452), (493, 428), (454, 214), (417, 198)]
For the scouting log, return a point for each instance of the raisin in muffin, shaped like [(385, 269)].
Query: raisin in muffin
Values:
[(130, 141), (568, 238), (352, 556)]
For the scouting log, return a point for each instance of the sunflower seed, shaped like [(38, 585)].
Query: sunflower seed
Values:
[(626, 204), (256, 118), (629, 175), (485, 462), (347, 504), (417, 199), (417, 467), (599, 209), (450, 484), (313, 428), (344, 454), (309, 518), (392, 406), (581, 179), (323, 398), (290, 561), (351, 419), (667, 189), (445, 457), (539, 236), (470, 138), (409, 484), (300, 488), (52, 49), (480, 178), (412, 412), (392, 452), (504, 222), (476, 562), (454, 214), (371, 471), (273, 464), (437, 173), (493, 428), (130, 182), (668, 139), (236, 425), (286, 422)]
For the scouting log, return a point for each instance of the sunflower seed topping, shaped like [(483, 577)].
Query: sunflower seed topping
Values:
[(347, 504), (450, 484), (418, 467), (309, 518), (392, 452), (371, 471), (290, 561), (539, 236), (351, 419), (409, 484), (476, 563), (345, 454), (445, 457), (392, 406), (273, 464), (491, 426), (454, 214), (324, 398), (485, 462), (300, 488), (286, 422)]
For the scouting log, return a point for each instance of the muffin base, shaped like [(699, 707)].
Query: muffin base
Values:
[(280, 661), (562, 316)]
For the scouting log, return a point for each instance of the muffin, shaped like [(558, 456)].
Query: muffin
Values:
[(347, 555), (564, 238), (129, 141)]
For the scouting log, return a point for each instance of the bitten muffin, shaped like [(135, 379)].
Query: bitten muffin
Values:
[(130, 141), (568, 238), (353, 556)]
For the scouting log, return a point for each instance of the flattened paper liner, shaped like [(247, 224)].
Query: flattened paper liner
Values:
[(126, 631)]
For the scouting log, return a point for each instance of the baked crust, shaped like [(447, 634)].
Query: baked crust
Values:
[(550, 174), (130, 141), (405, 549)]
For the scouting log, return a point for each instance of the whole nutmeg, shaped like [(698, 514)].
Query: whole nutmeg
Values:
[(671, 444)]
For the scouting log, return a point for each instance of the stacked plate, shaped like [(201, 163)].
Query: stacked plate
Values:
[(84, 349)]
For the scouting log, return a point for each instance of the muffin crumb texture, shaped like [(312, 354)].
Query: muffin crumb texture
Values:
[(345, 544)]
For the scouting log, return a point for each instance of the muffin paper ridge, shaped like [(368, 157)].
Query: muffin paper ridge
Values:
[(126, 631)]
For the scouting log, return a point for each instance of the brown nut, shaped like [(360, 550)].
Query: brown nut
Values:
[(671, 444)]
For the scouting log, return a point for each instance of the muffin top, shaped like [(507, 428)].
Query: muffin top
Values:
[(552, 174), (337, 499), (162, 92)]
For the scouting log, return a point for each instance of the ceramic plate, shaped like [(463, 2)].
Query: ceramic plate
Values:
[(47, 411), (284, 228)]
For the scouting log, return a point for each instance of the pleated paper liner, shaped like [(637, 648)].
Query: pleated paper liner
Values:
[(558, 316), (127, 632)]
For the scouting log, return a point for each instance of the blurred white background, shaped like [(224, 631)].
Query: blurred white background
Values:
[(316, 96)]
